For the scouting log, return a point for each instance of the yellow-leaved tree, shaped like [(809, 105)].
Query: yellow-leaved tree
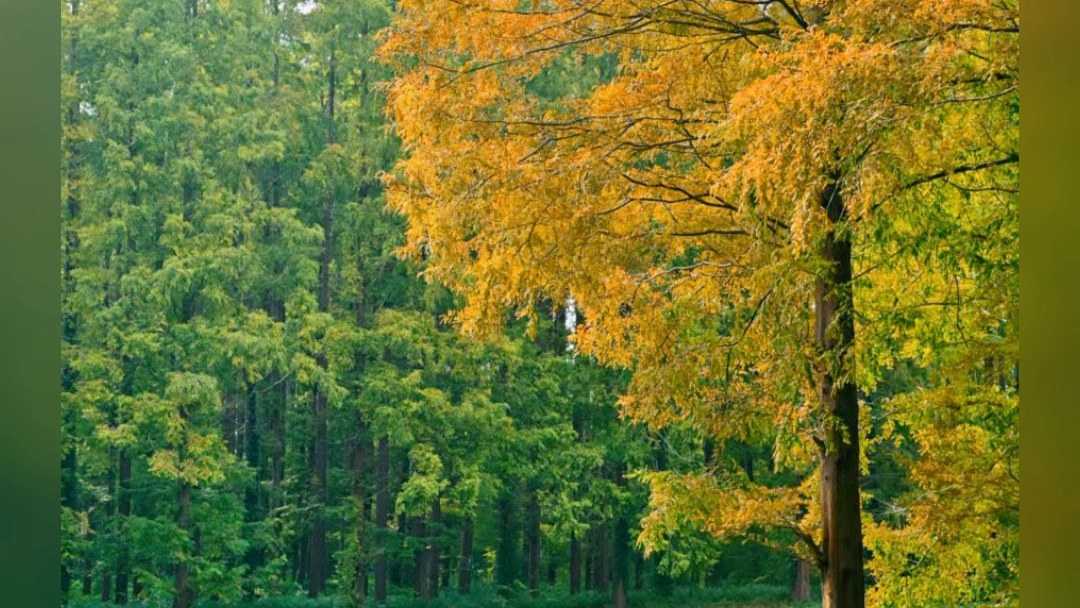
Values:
[(761, 207)]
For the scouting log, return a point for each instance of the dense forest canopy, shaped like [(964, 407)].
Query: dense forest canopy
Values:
[(585, 302)]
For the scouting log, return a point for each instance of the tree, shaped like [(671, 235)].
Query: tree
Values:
[(732, 207)]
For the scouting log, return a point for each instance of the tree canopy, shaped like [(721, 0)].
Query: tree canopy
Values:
[(571, 301)]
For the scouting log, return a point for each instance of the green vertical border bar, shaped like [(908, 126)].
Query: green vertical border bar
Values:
[(1050, 295), (29, 303)]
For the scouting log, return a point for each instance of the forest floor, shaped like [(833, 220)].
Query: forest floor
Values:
[(745, 596)]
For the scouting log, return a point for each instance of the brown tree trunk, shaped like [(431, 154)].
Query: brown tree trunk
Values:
[(835, 335), (185, 595), (122, 565), (110, 517), (603, 558), (507, 564), (621, 551), (277, 439), (316, 573), (590, 561), (465, 558), (575, 564), (359, 470), (382, 513), (533, 541), (800, 592), (639, 572), (433, 551), (420, 578), (317, 547)]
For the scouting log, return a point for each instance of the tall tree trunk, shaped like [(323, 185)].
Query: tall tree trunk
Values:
[(399, 572), (252, 453), (465, 557), (800, 591), (252, 495), (316, 574), (110, 518), (122, 562), (533, 541), (507, 563), (639, 571), (835, 335), (621, 551), (602, 559), (359, 471), (575, 564), (360, 458), (317, 541), (433, 550), (420, 578), (590, 559), (382, 514), (185, 595)]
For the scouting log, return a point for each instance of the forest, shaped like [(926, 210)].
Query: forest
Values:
[(539, 303)]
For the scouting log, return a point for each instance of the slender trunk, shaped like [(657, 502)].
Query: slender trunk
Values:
[(122, 565), (252, 495), (533, 538), (277, 444), (639, 572), (602, 561), (621, 569), (252, 453), (317, 547), (621, 559), (399, 573), (185, 595), (575, 564), (800, 591), (465, 558), (835, 335), (433, 550), (359, 469), (110, 518), (360, 463), (382, 513), (507, 563), (590, 561), (420, 577), (316, 573), (619, 597)]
